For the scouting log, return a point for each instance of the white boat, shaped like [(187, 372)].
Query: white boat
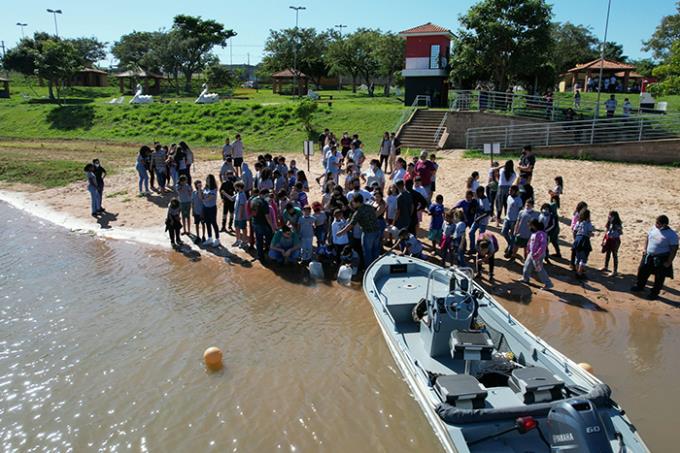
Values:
[(483, 380)]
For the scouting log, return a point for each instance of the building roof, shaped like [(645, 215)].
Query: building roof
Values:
[(93, 70), (140, 73), (609, 65), (426, 29), (288, 73)]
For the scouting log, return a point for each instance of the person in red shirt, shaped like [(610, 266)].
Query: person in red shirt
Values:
[(425, 168)]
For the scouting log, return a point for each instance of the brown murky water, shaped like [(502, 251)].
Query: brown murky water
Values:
[(101, 349)]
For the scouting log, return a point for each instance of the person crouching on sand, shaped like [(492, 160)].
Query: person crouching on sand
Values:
[(173, 223), (285, 246), (486, 247), (409, 243)]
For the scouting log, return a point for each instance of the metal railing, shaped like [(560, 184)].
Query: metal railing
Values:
[(610, 130), (419, 101), (441, 128), (518, 104)]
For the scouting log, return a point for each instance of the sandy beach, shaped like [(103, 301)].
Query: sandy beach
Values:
[(638, 192)]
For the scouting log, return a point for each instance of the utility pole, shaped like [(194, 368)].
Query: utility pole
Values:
[(340, 27), (604, 43), (54, 12), (22, 29), (295, 46)]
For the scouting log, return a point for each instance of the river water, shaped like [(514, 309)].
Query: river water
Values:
[(102, 342)]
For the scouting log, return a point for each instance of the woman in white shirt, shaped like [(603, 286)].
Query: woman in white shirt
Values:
[(399, 173), (506, 177)]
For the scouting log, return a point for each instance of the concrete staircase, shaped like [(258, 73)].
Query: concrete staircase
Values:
[(420, 131)]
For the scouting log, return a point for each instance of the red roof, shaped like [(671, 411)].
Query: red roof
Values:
[(428, 28), (609, 65)]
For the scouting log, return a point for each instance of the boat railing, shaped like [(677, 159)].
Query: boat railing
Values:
[(381, 296)]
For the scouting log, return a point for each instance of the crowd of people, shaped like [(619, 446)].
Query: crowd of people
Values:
[(370, 205)]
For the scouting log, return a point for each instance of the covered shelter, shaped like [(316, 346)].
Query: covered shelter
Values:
[(149, 80), (90, 77), (283, 82), (4, 88), (584, 73)]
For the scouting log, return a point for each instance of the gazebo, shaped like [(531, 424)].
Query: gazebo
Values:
[(90, 77), (151, 81), (282, 79), (582, 73), (4, 92)]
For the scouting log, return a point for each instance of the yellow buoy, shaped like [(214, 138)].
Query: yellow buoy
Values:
[(586, 366), (213, 358)]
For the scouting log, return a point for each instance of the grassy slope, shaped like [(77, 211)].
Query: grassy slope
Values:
[(265, 120)]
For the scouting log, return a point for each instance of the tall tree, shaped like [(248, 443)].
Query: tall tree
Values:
[(572, 44), (342, 58), (666, 33), (279, 52), (364, 43), (138, 50), (668, 73), (58, 62), (198, 37), (91, 50), (390, 53), (503, 41)]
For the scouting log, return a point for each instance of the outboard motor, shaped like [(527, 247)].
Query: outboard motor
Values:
[(575, 426)]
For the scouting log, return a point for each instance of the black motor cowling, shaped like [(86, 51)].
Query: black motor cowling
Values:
[(576, 426)]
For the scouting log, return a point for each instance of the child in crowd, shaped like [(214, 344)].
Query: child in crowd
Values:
[(338, 241), (292, 179), (582, 248), (487, 246), (523, 228), (197, 209), (537, 247), (436, 212), (184, 195), (492, 188), (173, 223), (240, 215), (320, 223), (472, 182), (299, 195), (391, 201), (418, 187), (350, 257), (574, 222), (551, 226), (435, 165), (279, 181), (482, 210), (306, 228), (409, 243), (458, 242), (612, 242), (514, 205), (227, 192), (557, 191)]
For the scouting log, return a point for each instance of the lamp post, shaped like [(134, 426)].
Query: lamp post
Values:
[(22, 29), (340, 27), (604, 43), (54, 12), (295, 81)]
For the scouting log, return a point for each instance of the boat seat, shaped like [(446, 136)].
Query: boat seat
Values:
[(470, 345), (461, 390), (536, 384)]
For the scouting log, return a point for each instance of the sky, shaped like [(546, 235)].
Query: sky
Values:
[(631, 21)]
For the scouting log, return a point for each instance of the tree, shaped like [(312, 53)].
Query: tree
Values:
[(304, 111), (279, 52), (572, 44), (390, 53), (364, 43), (58, 62), (220, 76), (197, 38), (666, 33), (614, 51), (503, 41), (668, 73), (342, 57), (90, 50), (139, 50), (644, 66)]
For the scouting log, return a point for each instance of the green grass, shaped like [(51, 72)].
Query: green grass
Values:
[(42, 173), (266, 120)]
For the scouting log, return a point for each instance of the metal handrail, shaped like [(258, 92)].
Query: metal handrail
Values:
[(406, 114), (610, 130), (440, 129), (519, 104)]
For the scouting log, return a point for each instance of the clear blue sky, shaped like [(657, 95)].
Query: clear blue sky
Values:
[(631, 21)]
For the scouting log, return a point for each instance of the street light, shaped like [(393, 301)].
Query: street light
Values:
[(297, 13), (340, 27), (54, 12), (604, 43), (22, 28)]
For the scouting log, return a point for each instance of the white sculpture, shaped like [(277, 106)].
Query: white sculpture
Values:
[(207, 98), (140, 98)]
